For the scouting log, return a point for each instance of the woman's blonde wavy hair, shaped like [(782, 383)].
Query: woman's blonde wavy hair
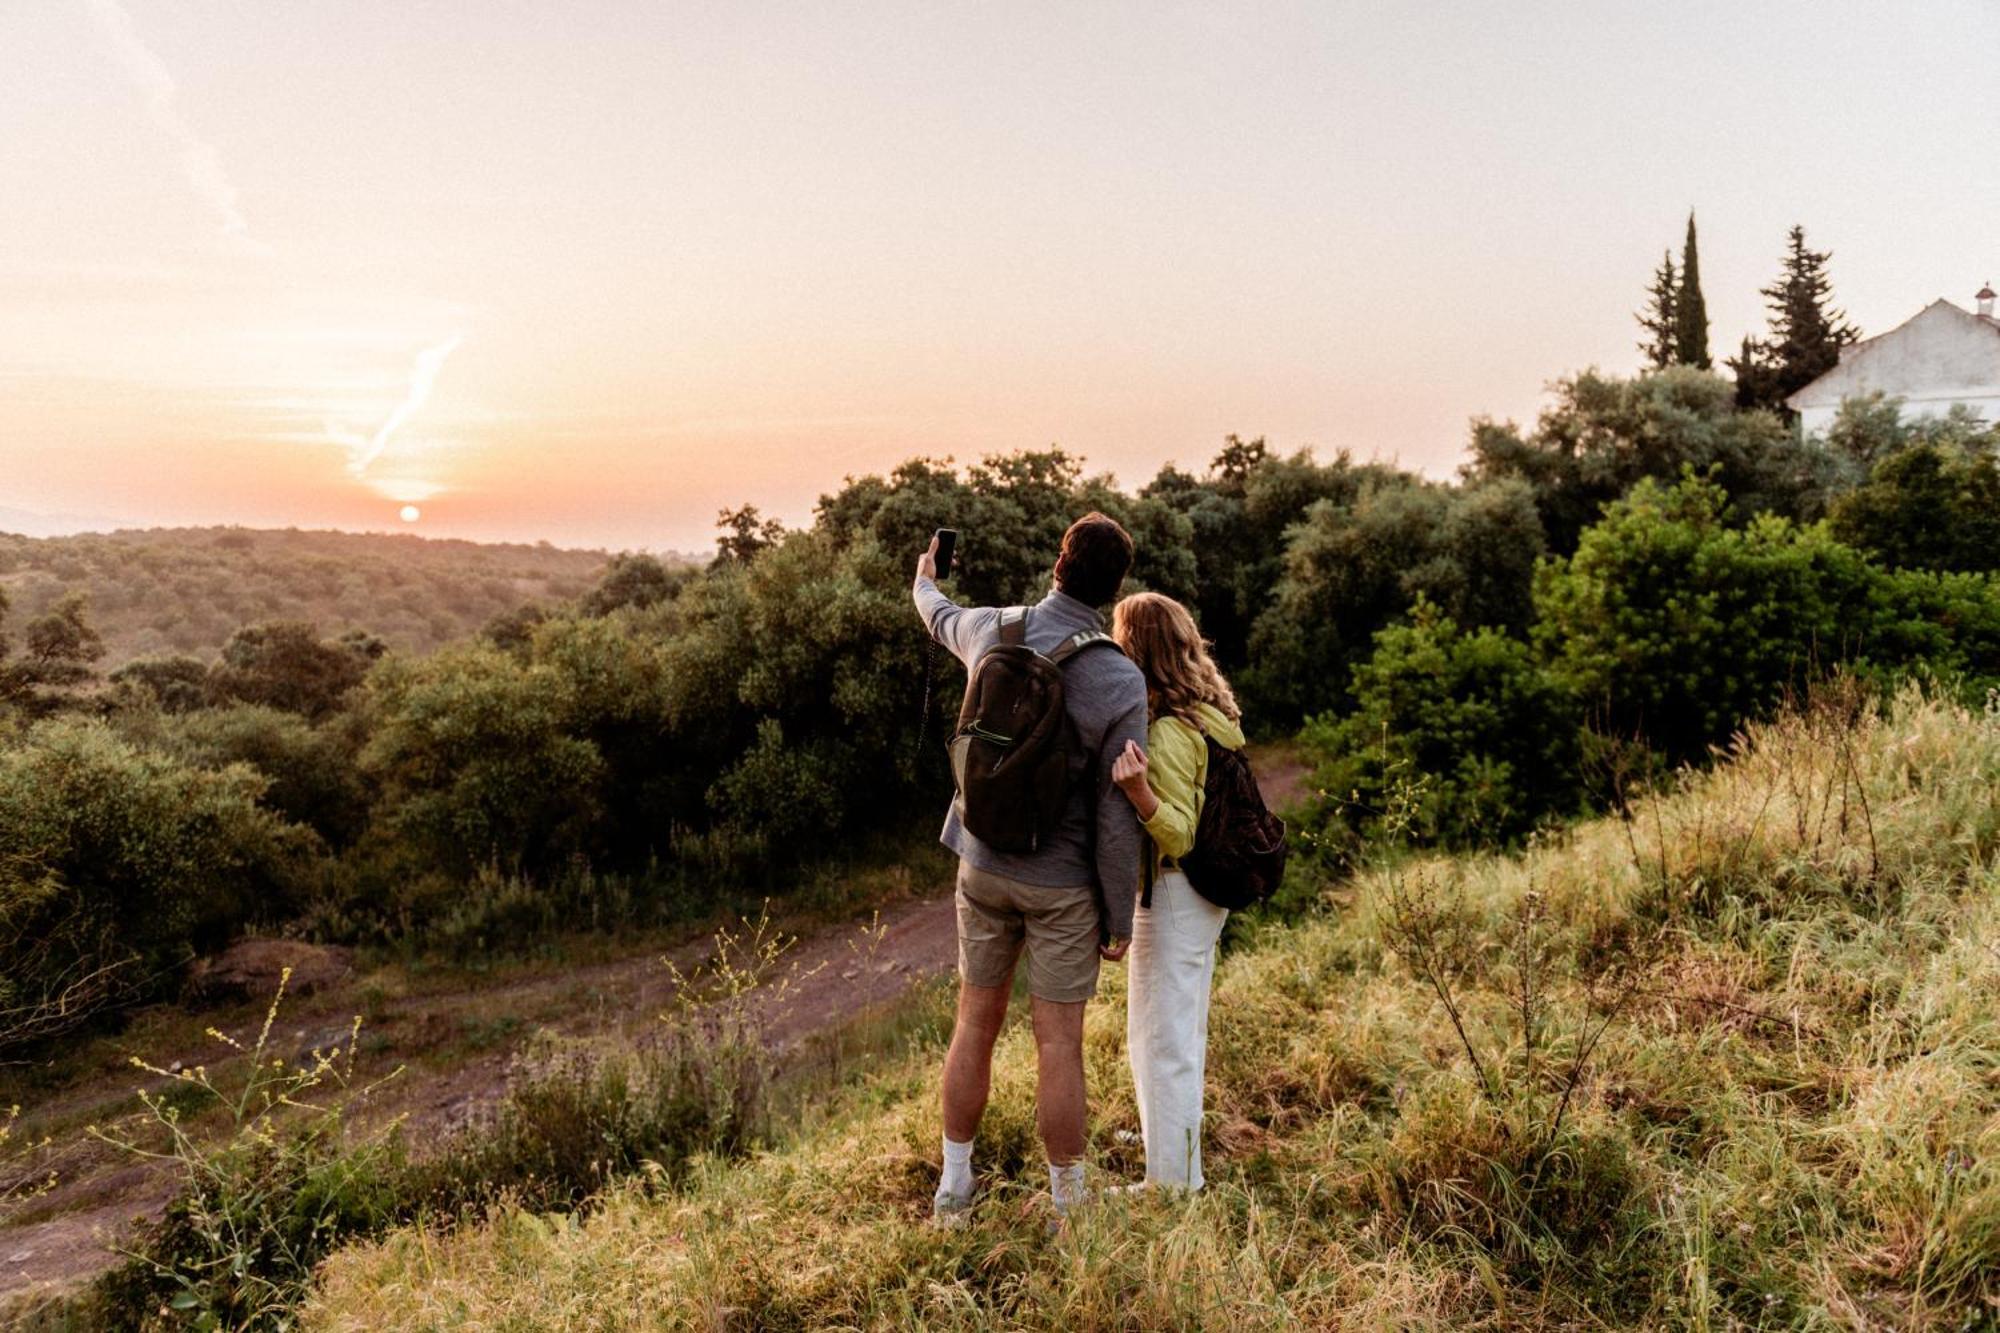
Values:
[(1159, 635)]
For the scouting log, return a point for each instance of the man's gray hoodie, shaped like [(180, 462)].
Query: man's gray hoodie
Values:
[(1098, 845)]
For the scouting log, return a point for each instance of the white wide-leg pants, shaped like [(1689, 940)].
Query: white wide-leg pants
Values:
[(1166, 1024)]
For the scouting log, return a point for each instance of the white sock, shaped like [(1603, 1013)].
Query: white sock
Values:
[(957, 1177), (1066, 1185)]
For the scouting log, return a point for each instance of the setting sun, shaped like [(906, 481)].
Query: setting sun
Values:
[(410, 513), (258, 273)]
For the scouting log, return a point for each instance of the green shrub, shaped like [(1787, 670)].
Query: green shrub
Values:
[(779, 792), (177, 684), (309, 769), (1674, 625), (1944, 625), (614, 686), (1011, 510), (476, 762), (259, 1201), (1352, 568), (59, 649), (117, 864), (1870, 428), (632, 579), (824, 666), (1604, 435), (1456, 738), (1930, 506), (1237, 519), (581, 1114), (285, 664), (1671, 624)]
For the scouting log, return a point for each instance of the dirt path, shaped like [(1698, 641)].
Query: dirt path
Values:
[(818, 983), (74, 1247), (1282, 774)]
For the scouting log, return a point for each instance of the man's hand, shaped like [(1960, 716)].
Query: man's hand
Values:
[(1128, 771), (1113, 950), (927, 562)]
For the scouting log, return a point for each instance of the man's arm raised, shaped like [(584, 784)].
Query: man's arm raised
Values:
[(956, 627)]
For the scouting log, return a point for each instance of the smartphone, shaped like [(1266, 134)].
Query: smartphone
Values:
[(947, 543)]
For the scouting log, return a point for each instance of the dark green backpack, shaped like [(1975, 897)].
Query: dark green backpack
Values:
[(1015, 742), (1239, 853)]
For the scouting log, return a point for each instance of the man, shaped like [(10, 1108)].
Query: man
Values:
[(1068, 903)]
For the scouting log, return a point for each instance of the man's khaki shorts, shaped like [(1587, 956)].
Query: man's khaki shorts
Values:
[(997, 916)]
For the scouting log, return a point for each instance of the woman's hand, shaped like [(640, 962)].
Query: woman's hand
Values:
[(1128, 770), (927, 562)]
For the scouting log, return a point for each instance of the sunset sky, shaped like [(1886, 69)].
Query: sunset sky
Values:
[(658, 258)]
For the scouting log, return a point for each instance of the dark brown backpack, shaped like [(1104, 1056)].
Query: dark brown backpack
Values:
[(1239, 845), (1012, 751)]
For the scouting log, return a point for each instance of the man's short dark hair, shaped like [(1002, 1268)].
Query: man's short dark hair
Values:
[(1096, 557)]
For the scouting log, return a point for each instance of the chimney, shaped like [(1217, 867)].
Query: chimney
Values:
[(1986, 301)]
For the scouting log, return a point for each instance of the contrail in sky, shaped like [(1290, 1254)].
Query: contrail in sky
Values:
[(198, 159), (422, 376)]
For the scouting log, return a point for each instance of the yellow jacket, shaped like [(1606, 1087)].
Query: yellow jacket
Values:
[(1176, 768)]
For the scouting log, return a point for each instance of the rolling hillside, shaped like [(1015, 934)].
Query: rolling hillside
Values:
[(185, 590), (1727, 1064)]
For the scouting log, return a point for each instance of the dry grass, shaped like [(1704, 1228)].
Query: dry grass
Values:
[(1792, 1121)]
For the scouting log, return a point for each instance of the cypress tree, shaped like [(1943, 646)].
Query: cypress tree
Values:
[(1657, 319), (1690, 310)]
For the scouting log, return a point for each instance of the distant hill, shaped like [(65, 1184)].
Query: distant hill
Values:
[(185, 590)]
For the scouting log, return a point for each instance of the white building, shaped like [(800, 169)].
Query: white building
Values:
[(1942, 356)]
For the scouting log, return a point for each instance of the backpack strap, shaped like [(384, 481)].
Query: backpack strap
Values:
[(1077, 642), (1014, 626)]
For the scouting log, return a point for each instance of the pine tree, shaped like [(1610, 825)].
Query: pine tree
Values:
[(1690, 310), (1657, 319), (1806, 333)]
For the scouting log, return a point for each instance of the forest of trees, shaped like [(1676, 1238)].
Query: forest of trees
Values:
[(1650, 565)]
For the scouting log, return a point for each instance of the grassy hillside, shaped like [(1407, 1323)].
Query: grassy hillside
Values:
[(185, 590), (1734, 1062)]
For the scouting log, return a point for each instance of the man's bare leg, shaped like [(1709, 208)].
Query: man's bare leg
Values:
[(968, 1064), (1059, 1099)]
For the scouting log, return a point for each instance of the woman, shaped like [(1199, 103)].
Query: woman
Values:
[(1175, 929)]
